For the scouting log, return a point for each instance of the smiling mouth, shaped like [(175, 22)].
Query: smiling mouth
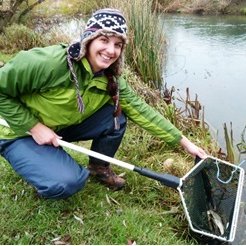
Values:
[(105, 57)]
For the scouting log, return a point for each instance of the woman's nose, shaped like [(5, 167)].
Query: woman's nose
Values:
[(110, 48)]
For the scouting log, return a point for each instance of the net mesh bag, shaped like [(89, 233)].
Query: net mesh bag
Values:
[(210, 194)]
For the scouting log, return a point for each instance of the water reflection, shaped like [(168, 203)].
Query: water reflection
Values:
[(215, 31), (220, 27), (208, 55)]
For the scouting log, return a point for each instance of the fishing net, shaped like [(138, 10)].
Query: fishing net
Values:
[(211, 194)]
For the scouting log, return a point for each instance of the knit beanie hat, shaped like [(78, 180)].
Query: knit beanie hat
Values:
[(108, 22)]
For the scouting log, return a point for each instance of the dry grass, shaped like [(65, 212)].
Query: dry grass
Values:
[(196, 6)]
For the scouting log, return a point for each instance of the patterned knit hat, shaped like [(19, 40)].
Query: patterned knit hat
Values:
[(108, 22)]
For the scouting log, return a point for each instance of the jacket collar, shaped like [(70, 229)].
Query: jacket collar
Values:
[(87, 66)]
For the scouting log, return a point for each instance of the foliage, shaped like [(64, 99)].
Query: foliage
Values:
[(147, 43), (243, 11), (198, 6), (63, 8), (29, 8), (9, 10), (191, 124), (19, 37), (231, 155), (5, 57), (242, 145)]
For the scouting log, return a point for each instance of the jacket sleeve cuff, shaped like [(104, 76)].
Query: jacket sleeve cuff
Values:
[(176, 140), (23, 129)]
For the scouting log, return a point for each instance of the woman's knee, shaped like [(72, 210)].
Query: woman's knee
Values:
[(61, 188)]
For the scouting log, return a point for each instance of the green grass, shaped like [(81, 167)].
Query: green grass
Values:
[(94, 215)]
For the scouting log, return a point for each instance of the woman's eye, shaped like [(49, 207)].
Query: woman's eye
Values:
[(104, 40), (119, 45)]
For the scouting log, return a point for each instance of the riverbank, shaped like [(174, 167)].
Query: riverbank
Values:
[(227, 7)]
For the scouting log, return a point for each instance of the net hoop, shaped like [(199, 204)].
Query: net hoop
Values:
[(234, 210)]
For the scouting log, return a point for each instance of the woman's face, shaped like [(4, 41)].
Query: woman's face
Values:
[(104, 51)]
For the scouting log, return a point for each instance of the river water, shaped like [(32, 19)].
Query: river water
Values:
[(207, 54)]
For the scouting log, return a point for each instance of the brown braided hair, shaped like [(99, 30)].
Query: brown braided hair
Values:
[(113, 90)]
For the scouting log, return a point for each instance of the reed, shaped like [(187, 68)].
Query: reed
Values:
[(231, 155), (242, 145)]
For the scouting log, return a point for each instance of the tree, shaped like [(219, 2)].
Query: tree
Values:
[(8, 9), (28, 9)]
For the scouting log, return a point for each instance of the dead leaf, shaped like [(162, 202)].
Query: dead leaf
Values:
[(131, 242), (59, 242), (122, 174), (173, 210), (108, 200), (124, 223), (79, 219), (113, 200), (65, 240)]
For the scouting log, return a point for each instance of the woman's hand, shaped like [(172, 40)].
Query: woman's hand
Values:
[(192, 148), (44, 135)]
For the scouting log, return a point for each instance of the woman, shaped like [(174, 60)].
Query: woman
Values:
[(74, 93)]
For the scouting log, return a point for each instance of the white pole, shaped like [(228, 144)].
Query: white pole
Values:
[(87, 151), (3, 123), (95, 154)]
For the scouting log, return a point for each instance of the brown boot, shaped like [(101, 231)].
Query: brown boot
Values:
[(105, 175)]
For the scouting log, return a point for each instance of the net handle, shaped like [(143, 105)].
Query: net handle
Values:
[(166, 179)]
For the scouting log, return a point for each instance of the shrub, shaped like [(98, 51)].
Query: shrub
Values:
[(19, 37), (243, 11)]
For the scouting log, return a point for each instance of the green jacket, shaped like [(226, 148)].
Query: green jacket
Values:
[(36, 86)]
